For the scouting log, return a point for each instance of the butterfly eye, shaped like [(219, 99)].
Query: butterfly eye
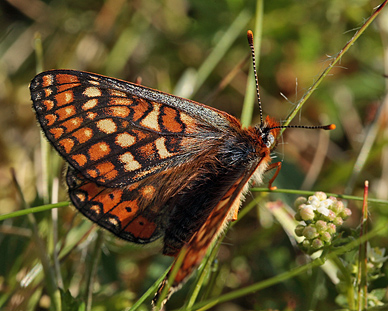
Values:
[(269, 139)]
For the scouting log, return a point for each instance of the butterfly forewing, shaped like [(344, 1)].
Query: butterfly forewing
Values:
[(115, 132)]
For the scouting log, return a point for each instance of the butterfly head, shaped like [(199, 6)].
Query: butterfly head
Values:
[(268, 131)]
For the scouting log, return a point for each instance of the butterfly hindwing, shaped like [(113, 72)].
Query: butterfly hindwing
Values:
[(124, 211)]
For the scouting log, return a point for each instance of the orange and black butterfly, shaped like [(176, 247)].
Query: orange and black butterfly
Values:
[(148, 165)]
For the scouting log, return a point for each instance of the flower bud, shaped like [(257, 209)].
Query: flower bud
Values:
[(317, 244), (338, 221), (337, 207), (345, 213), (306, 244), (321, 225), (322, 216), (297, 216), (331, 228), (299, 201), (326, 237), (299, 230), (310, 232), (321, 196), (331, 216), (307, 213)]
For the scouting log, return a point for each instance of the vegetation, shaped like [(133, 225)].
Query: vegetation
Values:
[(56, 260)]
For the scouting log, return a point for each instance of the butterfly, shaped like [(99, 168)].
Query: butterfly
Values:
[(148, 165)]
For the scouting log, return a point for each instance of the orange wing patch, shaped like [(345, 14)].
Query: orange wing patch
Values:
[(83, 135), (64, 98), (170, 119)]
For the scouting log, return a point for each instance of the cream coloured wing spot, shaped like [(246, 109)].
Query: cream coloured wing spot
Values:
[(91, 115), (121, 101), (129, 162), (68, 97), (160, 144), (94, 82), (121, 112), (64, 98), (92, 91), (96, 209), (151, 119), (107, 126), (91, 103), (117, 93), (81, 197), (188, 121), (125, 140), (113, 221)]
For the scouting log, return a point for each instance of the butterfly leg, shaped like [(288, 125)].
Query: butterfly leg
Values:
[(276, 165)]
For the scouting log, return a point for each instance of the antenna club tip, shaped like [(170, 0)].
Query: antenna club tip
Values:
[(250, 36), (330, 127)]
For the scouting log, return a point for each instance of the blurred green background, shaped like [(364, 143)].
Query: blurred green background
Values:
[(170, 46)]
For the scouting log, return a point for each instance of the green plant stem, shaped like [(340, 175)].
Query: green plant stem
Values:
[(32, 210), (166, 288), (306, 193), (151, 290), (92, 271), (362, 290), (203, 273)]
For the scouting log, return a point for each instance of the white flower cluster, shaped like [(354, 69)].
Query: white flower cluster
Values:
[(319, 216)]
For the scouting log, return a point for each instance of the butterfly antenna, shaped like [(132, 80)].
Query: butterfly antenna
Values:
[(328, 127), (322, 127), (250, 41)]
